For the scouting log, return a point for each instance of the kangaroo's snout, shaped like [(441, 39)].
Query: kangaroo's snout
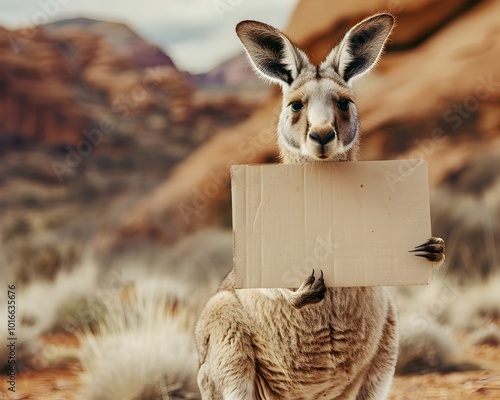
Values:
[(322, 138)]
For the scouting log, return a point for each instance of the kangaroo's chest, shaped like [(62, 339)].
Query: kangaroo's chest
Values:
[(308, 352)]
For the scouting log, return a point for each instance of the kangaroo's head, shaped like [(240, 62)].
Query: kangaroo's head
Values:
[(319, 119)]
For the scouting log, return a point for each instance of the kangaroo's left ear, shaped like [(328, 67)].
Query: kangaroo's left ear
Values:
[(271, 53), (361, 47)]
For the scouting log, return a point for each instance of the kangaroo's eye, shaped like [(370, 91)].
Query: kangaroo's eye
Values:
[(343, 104), (296, 106)]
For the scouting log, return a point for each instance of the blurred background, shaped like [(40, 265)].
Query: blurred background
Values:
[(118, 123)]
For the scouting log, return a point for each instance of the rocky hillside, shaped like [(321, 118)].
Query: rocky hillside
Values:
[(435, 95), (36, 101), (90, 112), (120, 37), (232, 74), (77, 74)]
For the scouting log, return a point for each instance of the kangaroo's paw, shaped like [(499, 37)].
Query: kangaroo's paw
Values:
[(311, 291), (433, 250)]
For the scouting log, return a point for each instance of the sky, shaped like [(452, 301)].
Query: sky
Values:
[(197, 34)]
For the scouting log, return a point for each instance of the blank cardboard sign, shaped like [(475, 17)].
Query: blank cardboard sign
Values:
[(356, 221)]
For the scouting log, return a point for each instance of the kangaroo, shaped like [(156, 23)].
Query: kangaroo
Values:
[(314, 342)]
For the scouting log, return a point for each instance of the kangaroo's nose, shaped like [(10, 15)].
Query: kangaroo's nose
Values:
[(322, 139)]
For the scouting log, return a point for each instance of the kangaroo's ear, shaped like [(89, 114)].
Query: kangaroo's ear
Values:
[(271, 53), (361, 47)]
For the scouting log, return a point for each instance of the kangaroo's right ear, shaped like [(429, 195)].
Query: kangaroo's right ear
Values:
[(271, 53), (361, 47)]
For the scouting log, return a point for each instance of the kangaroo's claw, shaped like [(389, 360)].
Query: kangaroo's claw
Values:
[(311, 291), (433, 250)]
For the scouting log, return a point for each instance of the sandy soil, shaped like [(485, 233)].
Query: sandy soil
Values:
[(47, 383), (482, 384), (63, 383)]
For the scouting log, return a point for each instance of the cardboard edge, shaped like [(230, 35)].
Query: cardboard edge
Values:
[(423, 164), (234, 170)]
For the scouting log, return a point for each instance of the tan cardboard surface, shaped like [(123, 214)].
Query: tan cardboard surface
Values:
[(356, 221)]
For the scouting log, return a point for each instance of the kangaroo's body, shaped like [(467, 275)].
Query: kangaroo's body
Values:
[(312, 343)]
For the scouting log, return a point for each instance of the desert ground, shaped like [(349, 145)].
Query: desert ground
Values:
[(63, 383)]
